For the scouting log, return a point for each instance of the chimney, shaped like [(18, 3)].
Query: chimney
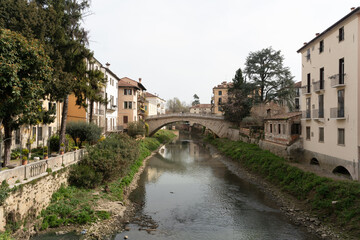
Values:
[(305, 43), (107, 65), (317, 34), (352, 9), (139, 80)]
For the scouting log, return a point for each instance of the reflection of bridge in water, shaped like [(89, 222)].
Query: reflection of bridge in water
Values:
[(216, 124)]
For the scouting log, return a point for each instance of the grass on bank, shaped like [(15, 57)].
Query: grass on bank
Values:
[(74, 205), (336, 202)]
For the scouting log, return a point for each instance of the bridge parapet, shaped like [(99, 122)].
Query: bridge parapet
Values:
[(185, 115)]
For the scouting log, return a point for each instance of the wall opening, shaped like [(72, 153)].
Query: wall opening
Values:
[(340, 170), (314, 161)]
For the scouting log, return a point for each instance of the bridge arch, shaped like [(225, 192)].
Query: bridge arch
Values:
[(216, 124)]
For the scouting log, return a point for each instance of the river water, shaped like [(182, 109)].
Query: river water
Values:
[(191, 194)]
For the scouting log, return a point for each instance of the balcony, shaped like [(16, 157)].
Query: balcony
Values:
[(306, 90), (306, 115), (111, 108), (337, 113), (318, 114), (318, 86), (338, 80)]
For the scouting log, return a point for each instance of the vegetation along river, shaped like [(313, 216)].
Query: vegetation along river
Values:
[(187, 193)]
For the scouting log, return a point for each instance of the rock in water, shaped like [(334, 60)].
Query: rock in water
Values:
[(126, 237)]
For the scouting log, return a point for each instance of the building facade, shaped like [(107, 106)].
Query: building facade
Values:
[(220, 93), (201, 109), (130, 98), (330, 98), (154, 105), (111, 94)]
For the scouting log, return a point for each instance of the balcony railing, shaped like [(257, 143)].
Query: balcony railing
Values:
[(306, 90), (306, 114), (338, 80), (318, 86), (338, 113), (112, 107), (318, 113)]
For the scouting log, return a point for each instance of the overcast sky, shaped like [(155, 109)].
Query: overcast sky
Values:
[(183, 47)]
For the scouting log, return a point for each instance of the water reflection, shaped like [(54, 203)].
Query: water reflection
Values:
[(192, 195)]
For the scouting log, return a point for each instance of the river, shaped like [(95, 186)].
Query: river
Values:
[(190, 194)]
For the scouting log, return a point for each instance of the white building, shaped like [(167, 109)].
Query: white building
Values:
[(112, 98), (330, 98), (154, 105)]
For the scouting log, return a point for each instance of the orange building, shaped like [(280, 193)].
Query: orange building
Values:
[(75, 112)]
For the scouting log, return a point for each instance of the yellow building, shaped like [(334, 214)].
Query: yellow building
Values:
[(75, 112), (220, 94)]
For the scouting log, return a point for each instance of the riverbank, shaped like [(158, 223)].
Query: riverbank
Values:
[(94, 212), (328, 208)]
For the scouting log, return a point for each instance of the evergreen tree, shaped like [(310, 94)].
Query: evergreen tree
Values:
[(240, 99), (196, 100), (272, 81)]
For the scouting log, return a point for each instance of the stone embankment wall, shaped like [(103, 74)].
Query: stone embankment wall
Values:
[(35, 183)]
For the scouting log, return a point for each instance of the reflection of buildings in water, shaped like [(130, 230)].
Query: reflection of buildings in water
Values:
[(162, 151), (153, 174), (194, 150)]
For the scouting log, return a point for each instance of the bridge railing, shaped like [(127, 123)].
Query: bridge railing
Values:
[(209, 116)]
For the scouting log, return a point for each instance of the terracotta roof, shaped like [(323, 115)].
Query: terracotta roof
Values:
[(284, 116), (122, 83), (133, 83), (149, 95), (297, 84), (223, 85), (355, 11), (201, 106)]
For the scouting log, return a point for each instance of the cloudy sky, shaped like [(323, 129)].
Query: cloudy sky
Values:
[(183, 47)]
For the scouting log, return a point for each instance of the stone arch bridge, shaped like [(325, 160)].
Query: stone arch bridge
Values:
[(216, 124)]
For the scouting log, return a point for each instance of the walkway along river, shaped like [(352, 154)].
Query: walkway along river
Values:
[(187, 193)]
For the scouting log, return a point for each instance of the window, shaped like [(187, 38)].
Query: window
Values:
[(341, 34), (270, 128), (341, 136), (34, 133), (307, 133), (125, 119), (308, 54), (321, 47), (341, 70), (308, 83), (127, 92), (279, 128), (308, 104), (341, 103), (40, 137), (297, 92), (220, 101), (283, 129), (297, 103), (296, 129), (17, 136), (49, 131), (321, 106), (220, 93), (125, 105), (321, 78), (321, 134), (130, 105)]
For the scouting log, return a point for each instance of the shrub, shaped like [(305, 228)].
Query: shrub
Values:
[(82, 131), (54, 143), (112, 156), (136, 128), (84, 176), (4, 192)]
